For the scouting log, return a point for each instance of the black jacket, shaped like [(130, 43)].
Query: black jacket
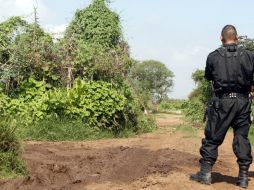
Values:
[(231, 69)]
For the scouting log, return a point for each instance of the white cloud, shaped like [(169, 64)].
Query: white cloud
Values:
[(57, 31), (24, 8)]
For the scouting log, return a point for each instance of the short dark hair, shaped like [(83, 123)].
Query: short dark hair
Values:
[(229, 32)]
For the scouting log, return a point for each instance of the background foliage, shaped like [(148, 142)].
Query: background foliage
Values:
[(75, 88), (152, 80)]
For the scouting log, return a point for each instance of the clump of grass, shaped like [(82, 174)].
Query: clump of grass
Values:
[(64, 129), (251, 135), (55, 129), (10, 164), (146, 124)]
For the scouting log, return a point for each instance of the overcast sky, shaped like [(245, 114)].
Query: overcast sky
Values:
[(179, 33)]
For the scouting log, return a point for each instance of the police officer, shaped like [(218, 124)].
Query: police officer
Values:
[(230, 69)]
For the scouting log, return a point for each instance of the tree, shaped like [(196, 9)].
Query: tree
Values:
[(246, 42), (204, 89), (153, 80), (100, 53), (96, 24), (9, 30), (25, 51)]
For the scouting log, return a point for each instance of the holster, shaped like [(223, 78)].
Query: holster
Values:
[(216, 103)]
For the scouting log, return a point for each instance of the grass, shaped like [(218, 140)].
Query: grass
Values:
[(74, 130), (251, 135), (11, 165), (61, 130)]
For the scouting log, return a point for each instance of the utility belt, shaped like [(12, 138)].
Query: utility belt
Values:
[(234, 95), (216, 101)]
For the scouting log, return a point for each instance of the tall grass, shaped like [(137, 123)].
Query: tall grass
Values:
[(56, 129), (10, 163), (251, 135)]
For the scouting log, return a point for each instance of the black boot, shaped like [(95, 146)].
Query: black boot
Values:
[(204, 175), (243, 177)]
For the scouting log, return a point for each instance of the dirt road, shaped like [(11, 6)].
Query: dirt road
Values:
[(162, 160)]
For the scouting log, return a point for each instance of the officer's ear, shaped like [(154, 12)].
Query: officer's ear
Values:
[(237, 37), (222, 39)]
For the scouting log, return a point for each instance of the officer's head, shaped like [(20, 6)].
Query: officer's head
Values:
[(229, 34)]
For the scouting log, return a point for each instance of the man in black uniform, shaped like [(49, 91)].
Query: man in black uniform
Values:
[(230, 69)]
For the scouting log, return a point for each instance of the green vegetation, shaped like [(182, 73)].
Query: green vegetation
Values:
[(152, 80), (251, 135), (93, 46), (79, 87), (194, 108), (61, 130), (171, 106), (10, 164), (67, 129), (81, 77)]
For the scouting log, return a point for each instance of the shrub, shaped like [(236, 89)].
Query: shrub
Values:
[(171, 105), (56, 129), (194, 110), (10, 164), (28, 103), (97, 104)]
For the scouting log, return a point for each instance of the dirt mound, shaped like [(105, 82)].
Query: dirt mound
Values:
[(69, 167)]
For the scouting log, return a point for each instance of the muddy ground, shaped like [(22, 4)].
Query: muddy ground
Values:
[(162, 160)]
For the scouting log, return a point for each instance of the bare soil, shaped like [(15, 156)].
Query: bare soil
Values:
[(162, 160)]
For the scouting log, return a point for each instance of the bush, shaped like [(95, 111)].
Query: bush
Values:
[(28, 103), (145, 124), (194, 110), (56, 129), (10, 164), (171, 105), (98, 104), (8, 140), (251, 135)]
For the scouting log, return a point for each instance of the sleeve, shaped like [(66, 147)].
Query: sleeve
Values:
[(208, 71)]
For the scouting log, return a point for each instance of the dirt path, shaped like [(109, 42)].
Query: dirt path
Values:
[(159, 161)]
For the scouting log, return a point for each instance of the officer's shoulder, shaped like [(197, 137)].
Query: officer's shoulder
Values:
[(248, 51), (214, 53)]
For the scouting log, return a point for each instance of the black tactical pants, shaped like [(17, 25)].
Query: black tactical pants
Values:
[(235, 113)]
